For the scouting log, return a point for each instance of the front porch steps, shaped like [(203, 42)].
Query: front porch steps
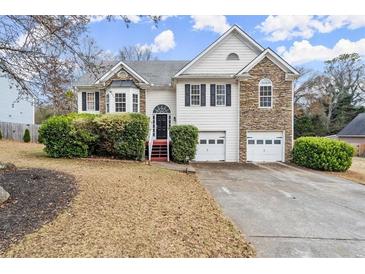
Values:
[(159, 150)]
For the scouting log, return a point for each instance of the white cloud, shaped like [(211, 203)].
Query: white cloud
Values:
[(163, 42), (282, 27), (303, 51), (216, 23)]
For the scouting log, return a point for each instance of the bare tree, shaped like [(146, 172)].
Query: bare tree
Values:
[(135, 53), (337, 94), (39, 53)]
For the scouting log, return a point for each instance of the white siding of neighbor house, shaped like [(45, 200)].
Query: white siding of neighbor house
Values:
[(160, 97), (13, 110), (215, 61), (212, 118)]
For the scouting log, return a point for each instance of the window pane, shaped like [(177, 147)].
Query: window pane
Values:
[(203, 141), (211, 141), (120, 104), (251, 142), (221, 95), (277, 142), (220, 141), (90, 101), (195, 95), (268, 142), (266, 95), (135, 102), (259, 142)]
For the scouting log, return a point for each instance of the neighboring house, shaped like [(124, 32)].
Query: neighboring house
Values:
[(13, 108), (238, 94), (354, 133)]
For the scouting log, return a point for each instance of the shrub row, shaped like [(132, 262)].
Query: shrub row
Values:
[(184, 139), (322, 153), (82, 135)]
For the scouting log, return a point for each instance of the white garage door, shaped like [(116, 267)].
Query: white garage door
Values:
[(211, 146), (265, 146)]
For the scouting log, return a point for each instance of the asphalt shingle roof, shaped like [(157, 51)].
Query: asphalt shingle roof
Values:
[(157, 72), (355, 127)]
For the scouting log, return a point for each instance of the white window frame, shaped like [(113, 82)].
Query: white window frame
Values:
[(125, 101), (266, 83), (216, 95), (191, 95), (92, 94), (135, 103)]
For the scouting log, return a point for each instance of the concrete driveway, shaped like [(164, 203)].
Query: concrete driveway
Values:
[(290, 212)]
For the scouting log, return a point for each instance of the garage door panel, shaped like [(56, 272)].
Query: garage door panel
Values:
[(265, 146), (211, 146)]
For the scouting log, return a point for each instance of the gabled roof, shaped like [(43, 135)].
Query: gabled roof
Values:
[(157, 72), (273, 56), (355, 128), (236, 28), (116, 68)]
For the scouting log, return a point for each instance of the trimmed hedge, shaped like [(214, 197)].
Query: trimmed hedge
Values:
[(184, 139), (122, 135), (81, 135), (26, 136), (322, 153), (63, 139)]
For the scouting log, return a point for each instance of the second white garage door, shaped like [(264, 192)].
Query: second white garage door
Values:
[(265, 146), (211, 146)]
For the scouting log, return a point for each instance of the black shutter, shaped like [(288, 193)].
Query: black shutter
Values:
[(212, 95), (187, 95), (203, 97), (97, 101), (228, 95), (83, 101)]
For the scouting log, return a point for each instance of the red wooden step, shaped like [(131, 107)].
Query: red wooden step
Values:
[(159, 159)]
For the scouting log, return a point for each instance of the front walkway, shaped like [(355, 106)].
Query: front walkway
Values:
[(289, 212)]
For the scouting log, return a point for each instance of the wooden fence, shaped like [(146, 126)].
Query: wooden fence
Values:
[(360, 150), (15, 131)]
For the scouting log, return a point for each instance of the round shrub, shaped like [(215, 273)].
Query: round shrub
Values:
[(26, 136), (131, 144), (62, 139), (122, 135), (184, 139), (322, 153)]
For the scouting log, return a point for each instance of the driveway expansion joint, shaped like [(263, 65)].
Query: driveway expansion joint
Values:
[(307, 238)]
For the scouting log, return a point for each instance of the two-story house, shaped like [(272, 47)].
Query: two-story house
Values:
[(15, 108), (238, 94)]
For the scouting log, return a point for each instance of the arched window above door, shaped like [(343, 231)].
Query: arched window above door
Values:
[(161, 109)]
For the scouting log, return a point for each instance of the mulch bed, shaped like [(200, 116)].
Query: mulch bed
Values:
[(36, 196)]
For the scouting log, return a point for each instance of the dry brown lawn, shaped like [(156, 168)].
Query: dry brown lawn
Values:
[(127, 209), (356, 172)]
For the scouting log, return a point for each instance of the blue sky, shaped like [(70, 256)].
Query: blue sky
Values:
[(301, 40)]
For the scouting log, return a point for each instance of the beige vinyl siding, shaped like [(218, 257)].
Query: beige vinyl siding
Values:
[(212, 118), (215, 61)]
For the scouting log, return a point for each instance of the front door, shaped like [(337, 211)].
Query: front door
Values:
[(161, 126)]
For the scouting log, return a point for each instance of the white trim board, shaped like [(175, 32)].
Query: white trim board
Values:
[(224, 35), (269, 53), (114, 70)]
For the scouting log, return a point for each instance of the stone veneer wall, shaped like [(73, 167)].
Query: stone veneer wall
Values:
[(277, 118), (102, 107), (142, 101)]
